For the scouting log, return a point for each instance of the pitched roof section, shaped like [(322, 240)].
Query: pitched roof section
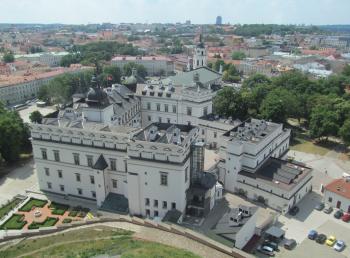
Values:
[(100, 164), (206, 75), (340, 186)]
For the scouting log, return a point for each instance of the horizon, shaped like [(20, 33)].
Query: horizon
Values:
[(80, 12)]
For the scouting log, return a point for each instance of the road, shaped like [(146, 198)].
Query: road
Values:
[(18, 181)]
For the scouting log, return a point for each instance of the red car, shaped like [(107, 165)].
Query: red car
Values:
[(346, 217)]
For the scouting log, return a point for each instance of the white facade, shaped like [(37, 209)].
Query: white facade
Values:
[(251, 166), (48, 58), (199, 56)]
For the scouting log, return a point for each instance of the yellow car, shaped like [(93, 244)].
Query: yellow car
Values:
[(331, 240)]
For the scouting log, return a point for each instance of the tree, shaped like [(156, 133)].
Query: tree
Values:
[(141, 70), (231, 74), (346, 70), (323, 122), (238, 55), (36, 117), (344, 132), (14, 135), (8, 57), (256, 80)]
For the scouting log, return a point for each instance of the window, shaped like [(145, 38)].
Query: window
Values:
[(80, 191), (77, 177), (155, 203), (158, 107), (93, 194), (166, 108), (159, 119), (147, 201), (49, 185), (173, 205), (92, 180), (203, 131), (113, 164), (215, 134), (62, 188), (56, 155), (163, 179), (89, 161), (330, 199), (189, 111), (148, 105), (125, 166), (149, 118), (76, 159), (156, 213), (174, 108), (205, 111), (148, 212), (59, 172), (186, 174), (168, 120), (165, 204), (44, 153), (114, 183), (47, 171)]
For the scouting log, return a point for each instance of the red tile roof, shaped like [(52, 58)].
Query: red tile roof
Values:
[(340, 186)]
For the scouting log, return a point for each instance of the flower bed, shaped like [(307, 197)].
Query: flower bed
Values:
[(5, 209), (14, 222), (58, 208), (48, 222), (33, 203)]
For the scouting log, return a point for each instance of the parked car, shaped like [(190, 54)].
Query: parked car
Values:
[(321, 238), (266, 250), (290, 244), (346, 217), (319, 206), (293, 211), (271, 244), (331, 240), (328, 210), (312, 234), (339, 245), (338, 214)]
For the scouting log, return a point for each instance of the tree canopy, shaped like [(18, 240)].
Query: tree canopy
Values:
[(8, 57), (36, 117)]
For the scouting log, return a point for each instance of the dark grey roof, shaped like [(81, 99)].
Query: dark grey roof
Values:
[(100, 164), (208, 180), (275, 232), (172, 216)]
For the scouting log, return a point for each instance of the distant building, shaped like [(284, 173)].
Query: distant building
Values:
[(49, 58), (218, 20), (155, 65), (188, 22)]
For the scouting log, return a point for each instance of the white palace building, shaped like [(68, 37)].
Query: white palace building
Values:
[(143, 152)]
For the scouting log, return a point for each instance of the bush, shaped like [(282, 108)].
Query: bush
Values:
[(73, 213), (48, 222), (33, 203), (14, 222), (58, 208), (67, 220)]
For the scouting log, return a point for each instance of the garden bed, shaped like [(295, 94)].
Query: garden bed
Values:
[(58, 208), (78, 212), (33, 203), (5, 209), (14, 222), (48, 222)]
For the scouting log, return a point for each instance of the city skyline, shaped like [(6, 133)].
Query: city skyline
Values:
[(315, 12)]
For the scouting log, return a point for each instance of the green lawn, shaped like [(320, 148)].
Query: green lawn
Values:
[(48, 222), (5, 209), (114, 242), (14, 222), (58, 208), (300, 144), (33, 203)]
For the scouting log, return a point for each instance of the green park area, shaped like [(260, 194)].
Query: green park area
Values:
[(33, 203), (90, 242)]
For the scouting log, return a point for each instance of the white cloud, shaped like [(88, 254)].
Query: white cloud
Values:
[(199, 11)]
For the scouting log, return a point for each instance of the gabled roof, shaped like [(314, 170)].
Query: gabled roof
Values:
[(100, 164), (340, 186)]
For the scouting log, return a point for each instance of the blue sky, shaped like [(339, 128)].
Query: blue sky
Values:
[(198, 11)]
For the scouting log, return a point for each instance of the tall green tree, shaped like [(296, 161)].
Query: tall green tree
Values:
[(8, 57), (344, 132), (36, 117)]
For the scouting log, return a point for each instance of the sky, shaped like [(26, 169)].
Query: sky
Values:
[(198, 11)]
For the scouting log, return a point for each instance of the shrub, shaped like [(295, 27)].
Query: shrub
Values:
[(14, 222), (33, 203), (67, 220), (48, 222)]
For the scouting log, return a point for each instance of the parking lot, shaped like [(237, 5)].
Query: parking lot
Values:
[(309, 248)]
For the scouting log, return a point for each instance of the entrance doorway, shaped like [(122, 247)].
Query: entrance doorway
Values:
[(338, 204)]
